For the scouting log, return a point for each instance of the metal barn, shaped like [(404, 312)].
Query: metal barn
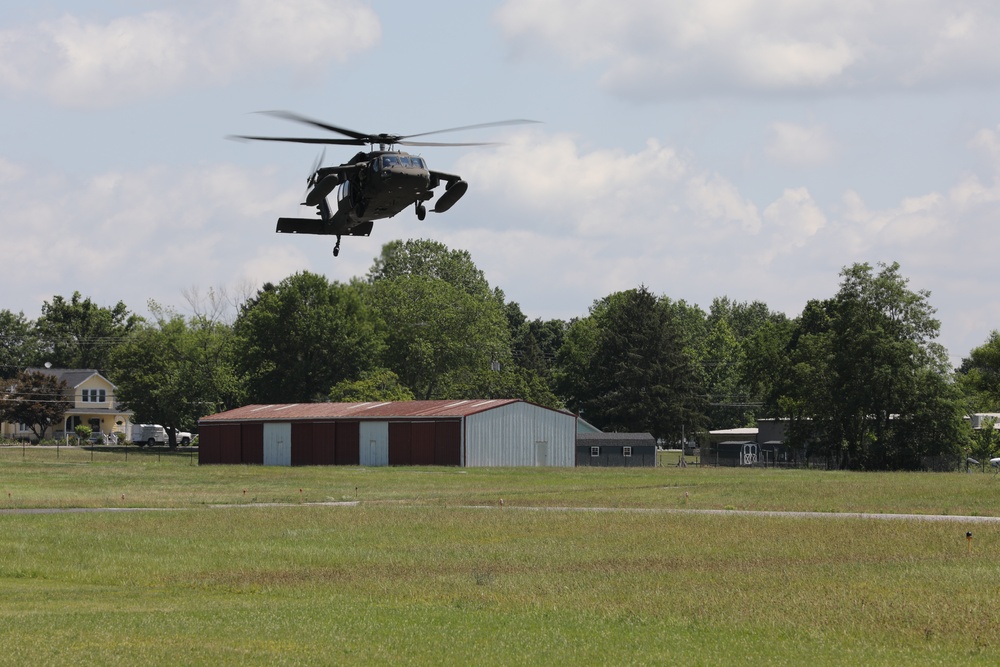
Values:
[(497, 432)]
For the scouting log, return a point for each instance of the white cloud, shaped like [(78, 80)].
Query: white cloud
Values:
[(135, 235), (605, 193), (711, 197), (566, 225), (10, 172), (799, 145), (554, 224), (655, 50), (791, 221), (80, 63), (988, 142)]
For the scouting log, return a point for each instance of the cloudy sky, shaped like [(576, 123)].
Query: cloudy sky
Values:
[(748, 148)]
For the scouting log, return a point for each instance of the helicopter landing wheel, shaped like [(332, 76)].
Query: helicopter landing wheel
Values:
[(336, 248), (421, 211)]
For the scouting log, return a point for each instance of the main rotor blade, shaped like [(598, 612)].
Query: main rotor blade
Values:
[(288, 115), (499, 123), (447, 143), (304, 140)]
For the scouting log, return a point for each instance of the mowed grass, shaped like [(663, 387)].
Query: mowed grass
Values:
[(427, 568), (44, 478)]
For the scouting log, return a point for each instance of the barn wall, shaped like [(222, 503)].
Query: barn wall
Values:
[(230, 447), (422, 444), (427, 442), (448, 444), (512, 435), (252, 443), (302, 444), (324, 440), (400, 443), (347, 444), (209, 439)]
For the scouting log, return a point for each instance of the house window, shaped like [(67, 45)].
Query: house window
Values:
[(595, 451), (626, 451), (95, 396)]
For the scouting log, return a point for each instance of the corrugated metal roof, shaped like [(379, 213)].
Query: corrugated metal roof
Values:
[(392, 409)]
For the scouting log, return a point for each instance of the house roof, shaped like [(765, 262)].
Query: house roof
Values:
[(735, 431), (73, 377), (370, 410), (633, 439)]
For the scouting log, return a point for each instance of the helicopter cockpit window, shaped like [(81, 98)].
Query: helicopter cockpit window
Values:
[(417, 162), (389, 161), (404, 161)]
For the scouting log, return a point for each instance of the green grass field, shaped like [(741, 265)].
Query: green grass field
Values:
[(427, 568)]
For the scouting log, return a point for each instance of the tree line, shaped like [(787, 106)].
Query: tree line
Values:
[(858, 376)]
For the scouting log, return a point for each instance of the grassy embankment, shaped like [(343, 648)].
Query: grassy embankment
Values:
[(413, 575)]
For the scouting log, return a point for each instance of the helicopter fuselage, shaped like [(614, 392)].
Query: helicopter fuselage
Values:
[(371, 186), (387, 184)]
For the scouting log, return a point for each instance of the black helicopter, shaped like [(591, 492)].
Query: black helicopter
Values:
[(373, 185)]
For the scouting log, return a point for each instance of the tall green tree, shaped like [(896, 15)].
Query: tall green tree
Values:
[(430, 259), (19, 347), (379, 384), (36, 400), (979, 376), (295, 340), (865, 381), (732, 330), (730, 404), (77, 333), (174, 370), (448, 333), (631, 368), (441, 341)]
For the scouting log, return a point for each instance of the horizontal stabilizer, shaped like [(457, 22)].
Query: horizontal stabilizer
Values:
[(300, 226), (363, 229), (315, 226)]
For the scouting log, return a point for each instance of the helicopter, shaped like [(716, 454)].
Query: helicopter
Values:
[(372, 185)]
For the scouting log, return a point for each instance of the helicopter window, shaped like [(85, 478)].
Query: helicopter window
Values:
[(404, 161), (417, 162), (389, 161)]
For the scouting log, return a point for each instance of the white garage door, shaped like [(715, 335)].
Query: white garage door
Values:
[(278, 444), (374, 441)]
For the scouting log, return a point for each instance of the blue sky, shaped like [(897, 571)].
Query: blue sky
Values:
[(748, 148)]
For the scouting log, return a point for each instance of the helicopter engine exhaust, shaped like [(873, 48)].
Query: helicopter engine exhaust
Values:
[(453, 193), (322, 189)]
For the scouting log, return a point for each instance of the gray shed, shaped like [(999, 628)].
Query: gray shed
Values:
[(615, 449)]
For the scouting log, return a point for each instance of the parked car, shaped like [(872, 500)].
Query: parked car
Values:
[(154, 434)]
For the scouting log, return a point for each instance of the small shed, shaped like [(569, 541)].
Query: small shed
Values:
[(615, 449), (494, 432)]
